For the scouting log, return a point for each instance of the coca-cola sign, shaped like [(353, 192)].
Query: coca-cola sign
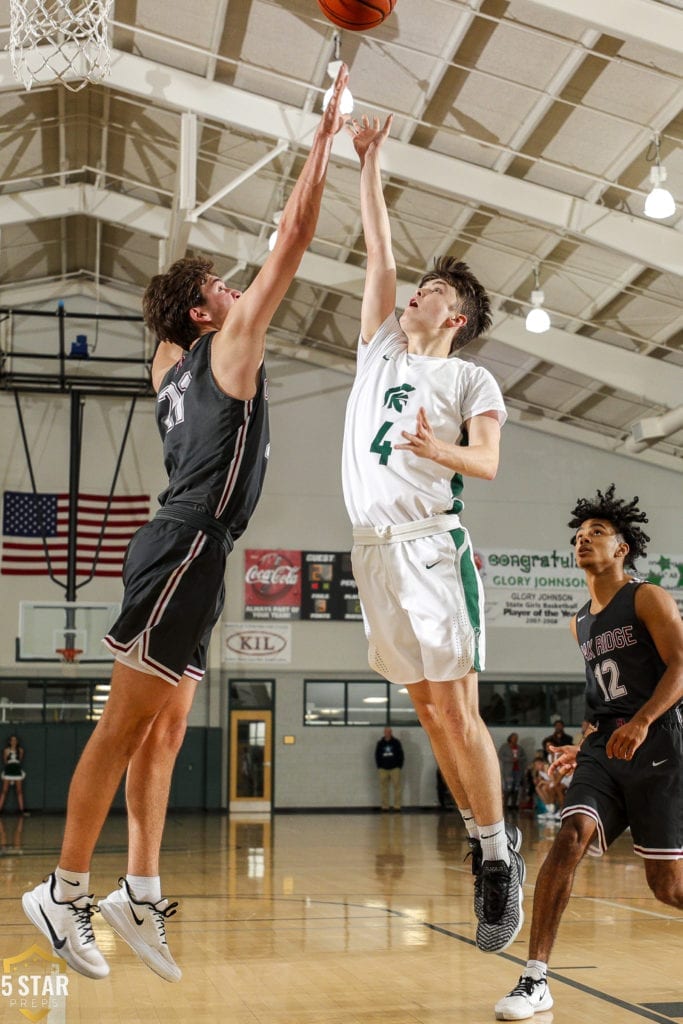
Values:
[(272, 584), (308, 585)]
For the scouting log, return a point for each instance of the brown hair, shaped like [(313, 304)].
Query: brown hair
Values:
[(169, 298), (473, 300)]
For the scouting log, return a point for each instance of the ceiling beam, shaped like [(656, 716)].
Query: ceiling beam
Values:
[(656, 245), (650, 380), (646, 21), (27, 294)]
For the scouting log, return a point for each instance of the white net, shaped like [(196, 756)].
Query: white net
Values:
[(60, 40)]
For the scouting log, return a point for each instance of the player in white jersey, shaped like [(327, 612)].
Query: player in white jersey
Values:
[(418, 420)]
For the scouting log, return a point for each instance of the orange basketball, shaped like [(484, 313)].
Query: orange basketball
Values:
[(357, 15)]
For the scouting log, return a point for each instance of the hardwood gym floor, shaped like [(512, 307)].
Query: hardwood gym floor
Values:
[(345, 919)]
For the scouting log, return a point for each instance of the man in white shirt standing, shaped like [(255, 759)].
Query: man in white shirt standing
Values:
[(418, 420)]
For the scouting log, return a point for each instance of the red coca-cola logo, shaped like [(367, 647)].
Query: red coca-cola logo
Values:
[(272, 574)]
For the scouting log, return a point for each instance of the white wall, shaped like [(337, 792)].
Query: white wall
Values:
[(302, 508)]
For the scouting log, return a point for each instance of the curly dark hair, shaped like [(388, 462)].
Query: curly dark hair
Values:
[(169, 298), (621, 514), (474, 302)]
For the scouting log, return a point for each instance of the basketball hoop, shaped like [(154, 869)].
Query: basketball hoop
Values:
[(60, 40), (69, 655)]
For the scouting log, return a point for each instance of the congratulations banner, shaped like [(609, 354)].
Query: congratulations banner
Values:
[(545, 588)]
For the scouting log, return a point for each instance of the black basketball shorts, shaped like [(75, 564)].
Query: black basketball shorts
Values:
[(173, 578), (645, 794)]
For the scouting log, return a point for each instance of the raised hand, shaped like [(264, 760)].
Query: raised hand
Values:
[(332, 120), (368, 137), (423, 442)]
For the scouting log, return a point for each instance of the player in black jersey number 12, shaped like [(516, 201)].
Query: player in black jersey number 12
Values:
[(628, 772), (212, 415)]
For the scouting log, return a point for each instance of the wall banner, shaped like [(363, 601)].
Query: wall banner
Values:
[(245, 643), (272, 584), (309, 585), (545, 588)]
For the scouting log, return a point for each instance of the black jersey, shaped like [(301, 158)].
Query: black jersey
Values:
[(623, 666), (215, 447)]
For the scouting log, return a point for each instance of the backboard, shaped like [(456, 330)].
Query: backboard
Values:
[(48, 627)]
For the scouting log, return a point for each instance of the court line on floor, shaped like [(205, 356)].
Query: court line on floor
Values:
[(623, 905), (604, 997), (619, 904)]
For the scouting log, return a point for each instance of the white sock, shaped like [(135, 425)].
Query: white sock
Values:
[(494, 841), (536, 969), (145, 888), (470, 824), (69, 885)]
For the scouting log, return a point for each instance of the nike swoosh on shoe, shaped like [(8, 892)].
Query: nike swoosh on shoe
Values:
[(56, 941)]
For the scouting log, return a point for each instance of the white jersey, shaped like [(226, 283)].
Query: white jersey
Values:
[(385, 487)]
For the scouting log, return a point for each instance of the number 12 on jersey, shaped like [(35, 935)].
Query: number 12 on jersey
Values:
[(607, 678)]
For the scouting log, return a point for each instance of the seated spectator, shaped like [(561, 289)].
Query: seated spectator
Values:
[(558, 738)]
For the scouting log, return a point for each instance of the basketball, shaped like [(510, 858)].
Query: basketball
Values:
[(357, 15)]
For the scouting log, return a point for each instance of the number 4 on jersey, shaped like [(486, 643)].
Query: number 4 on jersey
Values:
[(381, 447)]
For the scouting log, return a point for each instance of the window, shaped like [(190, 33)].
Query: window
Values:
[(324, 703), (378, 703), (48, 699), (356, 702), (367, 704), (249, 694), (531, 703)]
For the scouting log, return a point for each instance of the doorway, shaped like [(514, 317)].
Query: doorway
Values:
[(251, 743)]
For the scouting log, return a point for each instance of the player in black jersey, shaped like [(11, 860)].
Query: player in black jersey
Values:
[(212, 416), (629, 769)]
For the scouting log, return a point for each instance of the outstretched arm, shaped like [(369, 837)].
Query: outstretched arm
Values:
[(239, 345), (379, 295)]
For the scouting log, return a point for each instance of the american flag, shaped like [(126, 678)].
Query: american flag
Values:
[(27, 518)]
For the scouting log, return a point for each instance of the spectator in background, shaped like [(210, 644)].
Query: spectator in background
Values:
[(389, 761), (13, 773), (558, 738), (512, 765)]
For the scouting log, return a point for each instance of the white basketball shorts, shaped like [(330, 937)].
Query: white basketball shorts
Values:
[(423, 607)]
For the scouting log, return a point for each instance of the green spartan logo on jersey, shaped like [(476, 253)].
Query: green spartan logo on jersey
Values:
[(394, 398)]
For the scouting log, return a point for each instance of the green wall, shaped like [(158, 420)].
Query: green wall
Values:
[(52, 751)]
